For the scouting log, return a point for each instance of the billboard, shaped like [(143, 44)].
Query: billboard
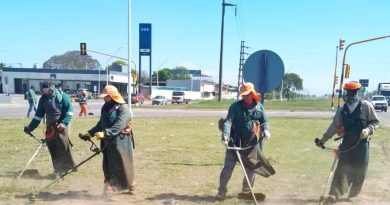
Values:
[(145, 39)]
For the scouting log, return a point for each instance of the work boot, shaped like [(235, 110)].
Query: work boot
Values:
[(220, 196), (330, 200), (54, 175), (132, 190), (107, 190)]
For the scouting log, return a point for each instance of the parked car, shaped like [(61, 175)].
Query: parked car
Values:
[(379, 102), (159, 100), (137, 98)]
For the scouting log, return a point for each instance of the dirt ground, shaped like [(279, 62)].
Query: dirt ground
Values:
[(84, 190)]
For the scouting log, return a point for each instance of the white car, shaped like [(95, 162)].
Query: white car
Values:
[(159, 100), (379, 102)]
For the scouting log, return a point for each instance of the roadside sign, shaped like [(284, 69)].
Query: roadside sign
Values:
[(265, 69), (364, 82), (145, 39)]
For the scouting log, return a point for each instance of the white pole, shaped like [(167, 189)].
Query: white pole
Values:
[(98, 91), (281, 92), (129, 59)]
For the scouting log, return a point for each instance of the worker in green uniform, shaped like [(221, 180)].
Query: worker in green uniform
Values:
[(57, 109), (117, 143), (32, 100)]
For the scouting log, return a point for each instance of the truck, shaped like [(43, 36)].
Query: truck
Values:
[(179, 97), (384, 89)]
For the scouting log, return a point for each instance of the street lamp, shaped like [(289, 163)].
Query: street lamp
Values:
[(98, 91), (109, 60), (129, 56), (159, 69)]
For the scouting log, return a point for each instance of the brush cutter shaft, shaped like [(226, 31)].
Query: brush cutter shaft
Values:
[(69, 171), (29, 162), (246, 176), (93, 148), (329, 178)]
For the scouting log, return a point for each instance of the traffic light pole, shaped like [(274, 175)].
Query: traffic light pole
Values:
[(125, 59), (343, 65), (334, 79), (83, 51)]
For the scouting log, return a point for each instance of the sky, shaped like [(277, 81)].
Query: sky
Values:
[(304, 33)]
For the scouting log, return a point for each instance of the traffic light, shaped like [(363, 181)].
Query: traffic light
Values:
[(341, 44), (347, 70), (134, 76), (83, 49), (336, 79)]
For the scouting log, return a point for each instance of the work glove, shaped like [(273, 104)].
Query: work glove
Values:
[(319, 143), (266, 134), (365, 133), (60, 127), (27, 130), (85, 136), (99, 135)]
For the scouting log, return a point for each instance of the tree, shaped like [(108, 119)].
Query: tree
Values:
[(163, 74), (291, 82), (144, 77), (2, 65), (180, 73), (116, 63)]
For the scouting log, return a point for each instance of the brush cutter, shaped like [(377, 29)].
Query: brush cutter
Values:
[(41, 143), (95, 151), (330, 177), (331, 174), (237, 149), (336, 153)]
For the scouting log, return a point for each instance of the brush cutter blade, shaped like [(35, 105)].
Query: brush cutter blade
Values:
[(248, 196), (31, 173)]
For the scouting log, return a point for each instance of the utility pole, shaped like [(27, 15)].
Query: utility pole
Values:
[(241, 64), (221, 50)]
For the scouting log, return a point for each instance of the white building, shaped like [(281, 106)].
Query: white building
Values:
[(19, 80)]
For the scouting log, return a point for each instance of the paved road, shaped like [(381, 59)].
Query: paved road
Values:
[(18, 107)]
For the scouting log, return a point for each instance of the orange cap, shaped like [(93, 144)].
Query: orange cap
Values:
[(353, 85), (112, 91), (249, 88)]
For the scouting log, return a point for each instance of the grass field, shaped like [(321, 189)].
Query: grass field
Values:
[(181, 158)]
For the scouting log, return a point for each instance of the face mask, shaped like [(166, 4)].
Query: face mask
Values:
[(45, 90), (350, 99)]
